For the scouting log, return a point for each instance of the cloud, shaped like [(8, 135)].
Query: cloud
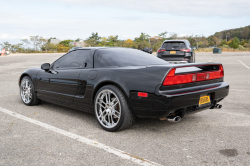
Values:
[(205, 8), (7, 36)]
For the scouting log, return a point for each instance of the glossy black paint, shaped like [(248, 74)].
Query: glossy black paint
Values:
[(76, 88)]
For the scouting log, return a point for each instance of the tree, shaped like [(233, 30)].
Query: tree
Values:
[(65, 42), (25, 42), (103, 41), (197, 40), (51, 38), (128, 43), (173, 36), (6, 45), (112, 41), (143, 37), (157, 45), (34, 40), (78, 39), (93, 40), (163, 34), (235, 43), (245, 33)]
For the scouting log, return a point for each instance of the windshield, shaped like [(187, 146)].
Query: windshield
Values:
[(120, 57)]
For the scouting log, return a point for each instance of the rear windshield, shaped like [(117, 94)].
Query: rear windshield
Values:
[(120, 57), (174, 46)]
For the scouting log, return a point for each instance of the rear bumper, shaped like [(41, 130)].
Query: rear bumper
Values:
[(166, 102)]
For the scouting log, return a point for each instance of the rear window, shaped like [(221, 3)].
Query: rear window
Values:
[(120, 57), (174, 46)]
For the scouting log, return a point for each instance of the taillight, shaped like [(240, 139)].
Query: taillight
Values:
[(161, 50), (142, 94), (185, 50), (172, 79)]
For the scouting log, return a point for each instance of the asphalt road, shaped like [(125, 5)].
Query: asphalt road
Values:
[(210, 137)]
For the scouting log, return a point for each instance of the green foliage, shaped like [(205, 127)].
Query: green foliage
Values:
[(163, 35), (93, 40), (225, 46), (240, 33), (235, 43), (78, 39), (65, 42), (157, 46), (50, 39), (224, 42), (241, 48), (142, 37)]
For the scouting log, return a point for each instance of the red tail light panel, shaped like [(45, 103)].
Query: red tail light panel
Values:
[(172, 79)]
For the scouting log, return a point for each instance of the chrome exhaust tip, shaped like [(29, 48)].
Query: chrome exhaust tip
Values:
[(174, 119), (218, 106)]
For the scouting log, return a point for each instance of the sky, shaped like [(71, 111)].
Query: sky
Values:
[(72, 19)]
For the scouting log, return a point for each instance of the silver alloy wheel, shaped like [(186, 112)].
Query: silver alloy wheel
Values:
[(108, 108), (26, 91)]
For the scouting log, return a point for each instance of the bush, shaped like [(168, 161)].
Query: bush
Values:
[(235, 43), (241, 47), (225, 46)]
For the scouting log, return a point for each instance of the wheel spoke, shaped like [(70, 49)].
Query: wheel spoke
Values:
[(113, 106), (26, 84), (101, 105), (114, 100), (111, 117), (109, 97)]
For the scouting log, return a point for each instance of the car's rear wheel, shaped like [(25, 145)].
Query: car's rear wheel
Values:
[(27, 92), (111, 109)]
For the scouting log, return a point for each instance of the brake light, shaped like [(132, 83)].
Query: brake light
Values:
[(142, 94), (172, 79), (185, 50), (161, 50)]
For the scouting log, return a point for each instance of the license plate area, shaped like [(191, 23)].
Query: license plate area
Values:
[(204, 100), (172, 52)]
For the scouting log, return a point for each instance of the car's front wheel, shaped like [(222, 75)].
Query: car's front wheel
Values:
[(27, 92), (111, 109)]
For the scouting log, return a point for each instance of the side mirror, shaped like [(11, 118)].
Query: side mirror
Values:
[(194, 48), (45, 66)]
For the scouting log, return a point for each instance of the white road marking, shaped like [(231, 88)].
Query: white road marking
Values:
[(87, 141), (244, 64), (241, 90)]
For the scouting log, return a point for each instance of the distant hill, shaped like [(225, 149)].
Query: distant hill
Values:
[(241, 33)]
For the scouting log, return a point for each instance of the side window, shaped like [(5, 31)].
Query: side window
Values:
[(74, 59)]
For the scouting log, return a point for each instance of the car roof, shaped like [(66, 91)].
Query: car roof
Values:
[(185, 40), (97, 48)]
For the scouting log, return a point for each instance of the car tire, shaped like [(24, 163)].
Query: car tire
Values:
[(27, 92), (112, 110)]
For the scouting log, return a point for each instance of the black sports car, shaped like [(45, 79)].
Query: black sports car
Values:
[(176, 51), (119, 84)]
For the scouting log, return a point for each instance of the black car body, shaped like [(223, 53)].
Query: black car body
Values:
[(148, 50), (152, 88), (176, 51), (74, 48)]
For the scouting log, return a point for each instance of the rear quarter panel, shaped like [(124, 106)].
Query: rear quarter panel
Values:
[(132, 80)]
